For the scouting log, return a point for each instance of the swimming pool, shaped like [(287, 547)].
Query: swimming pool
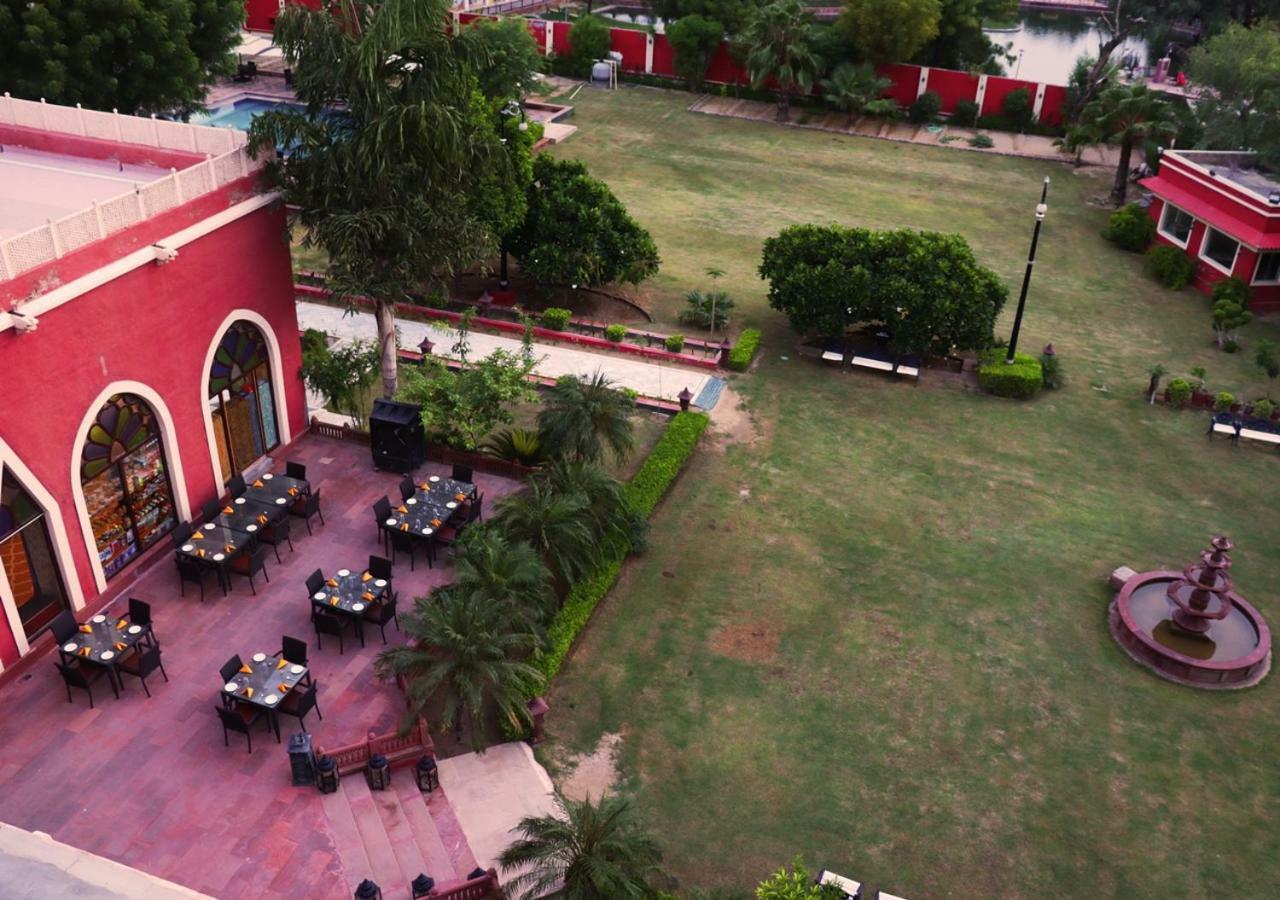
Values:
[(239, 113)]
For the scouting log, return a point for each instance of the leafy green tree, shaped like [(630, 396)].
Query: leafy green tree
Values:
[(610, 517), (796, 883), (1116, 24), (733, 14), (464, 654), (384, 158), (592, 850), (1267, 355), (510, 58), (925, 288), (582, 418), (853, 88), (1241, 68), (495, 566), (778, 45), (461, 407), (140, 57), (342, 375), (588, 41), (694, 39), (1230, 309), (961, 43), (1126, 115), (577, 232), (555, 525), (890, 30)]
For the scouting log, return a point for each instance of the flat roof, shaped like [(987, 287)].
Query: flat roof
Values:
[(1241, 168), (36, 185)]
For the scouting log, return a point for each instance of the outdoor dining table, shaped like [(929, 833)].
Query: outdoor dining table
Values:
[(215, 545), (276, 490), (263, 682), (436, 500), (104, 641), (249, 516), (349, 592)]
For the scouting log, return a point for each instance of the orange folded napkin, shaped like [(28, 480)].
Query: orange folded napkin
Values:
[(85, 651), (229, 548), (258, 483), (426, 485), (200, 552), (402, 508), (248, 692), (121, 646), (366, 577), (404, 527), (284, 688), (227, 510), (197, 535), (122, 625), (367, 595), (262, 519), (87, 629), (246, 670), (332, 582), (459, 496), (293, 492), (436, 523), (282, 664), (333, 601)]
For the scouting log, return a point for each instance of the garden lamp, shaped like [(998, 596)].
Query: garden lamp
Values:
[(1041, 209)]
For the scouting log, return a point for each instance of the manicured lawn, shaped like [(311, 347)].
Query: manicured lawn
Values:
[(872, 629)]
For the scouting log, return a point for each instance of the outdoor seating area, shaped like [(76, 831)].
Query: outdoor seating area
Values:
[(1234, 427)]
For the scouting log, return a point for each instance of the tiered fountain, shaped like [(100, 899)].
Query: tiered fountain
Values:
[(1191, 627)]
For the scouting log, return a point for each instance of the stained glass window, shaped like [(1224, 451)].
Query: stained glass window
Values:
[(124, 424), (26, 552), (241, 400), (241, 350)]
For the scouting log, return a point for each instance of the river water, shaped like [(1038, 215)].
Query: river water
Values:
[(1048, 44)]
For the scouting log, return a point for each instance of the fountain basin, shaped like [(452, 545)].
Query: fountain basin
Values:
[(1234, 652)]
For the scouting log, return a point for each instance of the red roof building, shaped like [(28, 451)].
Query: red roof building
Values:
[(1223, 210), (148, 342)]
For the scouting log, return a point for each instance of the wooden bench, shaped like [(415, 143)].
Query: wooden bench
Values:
[(832, 356), (852, 889), (1235, 432), (881, 365)]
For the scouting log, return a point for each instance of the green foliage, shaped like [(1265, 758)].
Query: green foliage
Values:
[(1266, 354), (856, 89), (554, 524), (1170, 266), (1198, 374), (588, 41), (674, 343), (1264, 408), (778, 44), (582, 418), (1128, 114), (1224, 401), (577, 232), (965, 113), (520, 445), (1020, 380), (1130, 228), (884, 31), (732, 13), (981, 141), (501, 568), (693, 39), (1234, 289), (1178, 392), (509, 57), (460, 407), (796, 883), (925, 288), (556, 317), (925, 109), (615, 333), (1230, 309), (138, 57), (342, 375), (706, 309), (744, 350), (1240, 66), (1051, 370), (1017, 107), (961, 43)]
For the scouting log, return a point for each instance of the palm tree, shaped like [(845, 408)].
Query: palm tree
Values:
[(777, 41), (1124, 115), (852, 87), (555, 525), (492, 568), (611, 518), (468, 652), (591, 851), (581, 418)]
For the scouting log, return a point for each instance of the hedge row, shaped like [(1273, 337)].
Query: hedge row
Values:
[(744, 350), (643, 492)]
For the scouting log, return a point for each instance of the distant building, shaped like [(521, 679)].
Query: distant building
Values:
[(1223, 210), (148, 345)]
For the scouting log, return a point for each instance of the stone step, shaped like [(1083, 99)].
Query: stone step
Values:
[(436, 857), (384, 865), (395, 821), (346, 838)]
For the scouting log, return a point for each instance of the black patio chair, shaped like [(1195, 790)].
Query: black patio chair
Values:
[(275, 534), (180, 534), (315, 583), (380, 567), (406, 542), (194, 570), (230, 668), (251, 562), (63, 627), (240, 717), (307, 507), (300, 701), (381, 512), (75, 675), (462, 473), (140, 614), (473, 509), (293, 650), (142, 664), (236, 486), (211, 510), (330, 623), (381, 613), (407, 487), (295, 470)]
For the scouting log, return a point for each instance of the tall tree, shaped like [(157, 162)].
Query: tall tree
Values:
[(510, 57), (382, 163), (593, 850), (1126, 115), (694, 39), (1119, 22), (779, 49), (495, 568), (961, 43), (1241, 109), (583, 418), (733, 14), (138, 57), (885, 31)]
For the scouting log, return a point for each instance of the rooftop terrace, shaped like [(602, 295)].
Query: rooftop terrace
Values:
[(1241, 168)]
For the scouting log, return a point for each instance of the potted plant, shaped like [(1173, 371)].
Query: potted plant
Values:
[(1200, 398), (1178, 392), (1224, 401)]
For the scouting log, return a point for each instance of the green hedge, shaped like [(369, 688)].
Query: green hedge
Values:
[(556, 317), (1021, 379), (744, 350)]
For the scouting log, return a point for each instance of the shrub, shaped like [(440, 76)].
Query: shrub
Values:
[(1170, 266), (435, 299), (1020, 380), (1051, 370), (1130, 228), (1198, 374), (1017, 107), (313, 340), (1233, 289), (1178, 392), (744, 351), (981, 141), (1224, 401), (674, 343), (1230, 309), (1264, 408), (615, 333), (1230, 346), (588, 41), (521, 445), (555, 318), (701, 305), (966, 113), (925, 109)]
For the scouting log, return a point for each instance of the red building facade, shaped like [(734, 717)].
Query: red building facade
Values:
[(1223, 211), (148, 340)]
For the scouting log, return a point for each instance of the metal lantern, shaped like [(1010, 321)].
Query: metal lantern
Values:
[(428, 774), (368, 890), (378, 773), (327, 775), (685, 396), (422, 886), (426, 346)]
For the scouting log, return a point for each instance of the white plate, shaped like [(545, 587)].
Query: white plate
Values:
[(187, 548), (391, 521), (218, 557), (108, 654), (434, 478), (239, 501), (259, 657), (411, 501), (280, 501), (298, 670), (135, 629), (428, 531), (271, 699), (251, 528), (451, 505), (320, 595), (343, 573), (268, 477), (68, 648), (99, 619), (381, 582), (231, 687), (356, 607), (209, 526)]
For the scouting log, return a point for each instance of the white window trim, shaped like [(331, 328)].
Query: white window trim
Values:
[(1257, 264), (1204, 242), (1171, 238)]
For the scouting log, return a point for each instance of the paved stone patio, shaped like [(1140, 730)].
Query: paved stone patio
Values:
[(147, 782)]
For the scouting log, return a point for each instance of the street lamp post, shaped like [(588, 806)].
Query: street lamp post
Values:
[(1041, 209)]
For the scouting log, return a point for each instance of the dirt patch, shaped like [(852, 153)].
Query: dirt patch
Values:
[(731, 422), (755, 642), (592, 774)]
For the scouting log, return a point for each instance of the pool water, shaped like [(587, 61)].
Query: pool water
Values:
[(240, 113)]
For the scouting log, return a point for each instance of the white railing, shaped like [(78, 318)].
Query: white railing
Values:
[(226, 159)]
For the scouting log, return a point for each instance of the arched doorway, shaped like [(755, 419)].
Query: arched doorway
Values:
[(242, 402), (27, 557), (125, 478)]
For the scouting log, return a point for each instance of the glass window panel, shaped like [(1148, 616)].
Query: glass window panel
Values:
[(267, 403), (1220, 248), (1176, 223), (1268, 267)]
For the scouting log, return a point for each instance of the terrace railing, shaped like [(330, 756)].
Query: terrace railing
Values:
[(226, 160), (398, 749), (476, 889)]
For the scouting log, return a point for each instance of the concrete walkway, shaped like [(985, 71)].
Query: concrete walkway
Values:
[(647, 378)]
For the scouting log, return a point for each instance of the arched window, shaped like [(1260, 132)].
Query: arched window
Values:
[(241, 401), (126, 481), (26, 552)]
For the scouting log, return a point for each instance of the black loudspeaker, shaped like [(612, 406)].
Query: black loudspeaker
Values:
[(396, 436)]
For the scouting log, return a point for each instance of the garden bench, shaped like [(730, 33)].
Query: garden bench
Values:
[(1235, 430), (883, 365), (852, 889), (832, 356)]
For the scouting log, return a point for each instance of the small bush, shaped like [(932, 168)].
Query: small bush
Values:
[(1224, 401), (674, 343), (313, 340), (1264, 408), (1020, 380), (1232, 289), (615, 333), (1130, 228), (521, 445), (1230, 346), (744, 351), (1051, 370), (966, 113), (556, 318), (435, 299), (1170, 266), (981, 141), (1017, 107), (925, 109), (1178, 392)]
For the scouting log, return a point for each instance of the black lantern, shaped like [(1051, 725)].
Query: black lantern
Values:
[(428, 774), (684, 397), (368, 890), (426, 346), (327, 775), (422, 886), (477, 872), (378, 773)]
